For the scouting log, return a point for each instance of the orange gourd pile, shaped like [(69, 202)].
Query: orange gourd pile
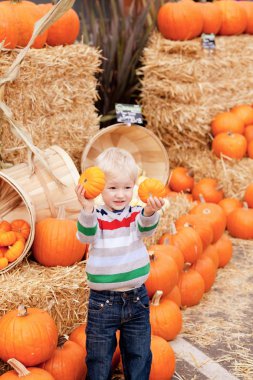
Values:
[(233, 132), (13, 236), (17, 19), (185, 20)]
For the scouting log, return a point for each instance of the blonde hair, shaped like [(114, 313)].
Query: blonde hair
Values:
[(116, 160)]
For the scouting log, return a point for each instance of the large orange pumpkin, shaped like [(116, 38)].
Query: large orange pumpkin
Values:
[(163, 274), (171, 251), (163, 359), (180, 21), (67, 361), (234, 18), (28, 334), (26, 14), (55, 242), (248, 7), (212, 17), (165, 317), (8, 29), (65, 30)]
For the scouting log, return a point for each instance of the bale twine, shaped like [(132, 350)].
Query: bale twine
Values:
[(53, 98), (184, 87)]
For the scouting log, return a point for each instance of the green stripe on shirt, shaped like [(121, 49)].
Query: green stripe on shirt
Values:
[(119, 277), (88, 231), (143, 229)]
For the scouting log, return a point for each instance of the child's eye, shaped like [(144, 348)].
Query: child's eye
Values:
[(112, 188), (128, 187)]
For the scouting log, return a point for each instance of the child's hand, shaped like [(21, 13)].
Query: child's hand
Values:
[(87, 204), (153, 204)]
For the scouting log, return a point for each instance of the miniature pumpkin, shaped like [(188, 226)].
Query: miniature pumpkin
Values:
[(244, 112), (248, 132), (20, 371), (181, 179), (21, 226), (67, 361), (233, 145), (65, 30), (209, 189), (165, 317), (7, 238), (151, 187), (55, 241), (28, 334), (248, 196), (163, 273), (163, 359), (227, 122), (15, 251), (250, 149), (180, 21), (93, 180), (234, 18), (3, 262), (4, 225)]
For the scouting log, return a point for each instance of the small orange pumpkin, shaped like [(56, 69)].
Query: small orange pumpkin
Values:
[(224, 249), (250, 149), (227, 122), (21, 226), (207, 269), (248, 132), (151, 187), (163, 359), (248, 196), (230, 204), (15, 251), (7, 238), (93, 181), (181, 179), (240, 223), (209, 189), (5, 226), (244, 112), (230, 144), (192, 287)]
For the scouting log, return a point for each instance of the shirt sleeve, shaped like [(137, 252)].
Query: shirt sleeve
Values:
[(146, 225), (87, 227)]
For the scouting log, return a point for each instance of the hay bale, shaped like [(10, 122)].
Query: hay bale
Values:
[(62, 291), (53, 98), (184, 87)]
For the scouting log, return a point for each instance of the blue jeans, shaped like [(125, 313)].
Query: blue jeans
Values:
[(128, 312)]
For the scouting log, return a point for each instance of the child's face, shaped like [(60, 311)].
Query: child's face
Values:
[(118, 191)]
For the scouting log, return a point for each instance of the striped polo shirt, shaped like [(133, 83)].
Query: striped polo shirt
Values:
[(118, 257)]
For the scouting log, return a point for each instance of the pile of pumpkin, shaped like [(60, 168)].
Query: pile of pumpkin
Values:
[(239, 213), (17, 19), (185, 20), (13, 236), (233, 132)]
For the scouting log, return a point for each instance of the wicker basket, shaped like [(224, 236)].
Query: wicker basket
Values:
[(147, 150)]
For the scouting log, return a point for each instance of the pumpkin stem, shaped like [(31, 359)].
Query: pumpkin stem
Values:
[(18, 367), (22, 310), (201, 198), (62, 339), (156, 298), (61, 213), (172, 228), (245, 205), (187, 266), (151, 255)]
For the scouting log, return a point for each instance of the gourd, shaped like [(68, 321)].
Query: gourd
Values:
[(93, 181), (151, 187)]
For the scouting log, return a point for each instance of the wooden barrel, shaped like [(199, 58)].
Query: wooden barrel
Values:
[(45, 192), (147, 150), (16, 204)]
